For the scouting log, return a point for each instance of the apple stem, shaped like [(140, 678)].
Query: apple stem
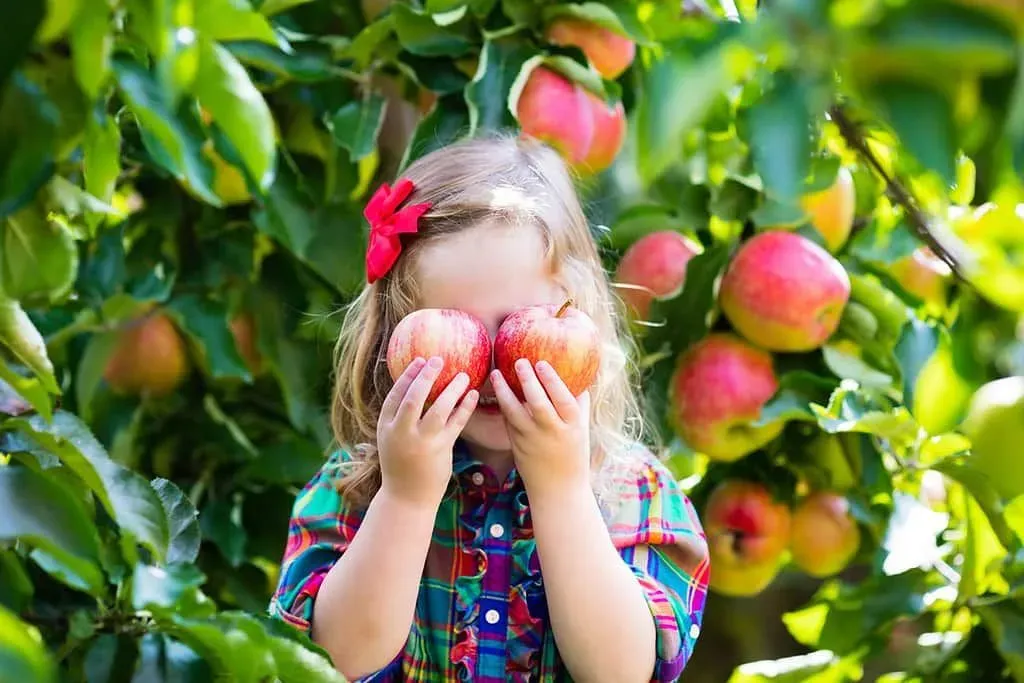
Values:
[(567, 304)]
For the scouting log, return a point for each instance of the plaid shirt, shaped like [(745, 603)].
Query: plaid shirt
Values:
[(481, 613)]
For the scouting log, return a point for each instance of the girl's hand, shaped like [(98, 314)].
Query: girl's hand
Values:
[(415, 448), (550, 433)]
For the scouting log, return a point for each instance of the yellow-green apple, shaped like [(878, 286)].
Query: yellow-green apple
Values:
[(149, 358), (717, 390), (609, 134), (831, 210), (748, 532), (457, 337), (564, 336), (832, 453), (654, 267), (924, 275), (610, 53), (995, 425), (556, 110), (783, 292), (824, 536)]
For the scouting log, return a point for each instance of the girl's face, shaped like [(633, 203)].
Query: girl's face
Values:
[(488, 271)]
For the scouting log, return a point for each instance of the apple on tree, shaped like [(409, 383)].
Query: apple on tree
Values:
[(457, 337), (564, 336), (717, 390), (150, 358), (610, 53), (995, 425), (783, 292), (832, 210), (748, 532), (654, 267), (824, 536)]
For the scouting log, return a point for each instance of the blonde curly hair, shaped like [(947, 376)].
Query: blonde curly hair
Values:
[(464, 183)]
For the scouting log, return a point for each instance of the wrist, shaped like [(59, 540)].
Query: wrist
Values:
[(560, 493), (408, 505)]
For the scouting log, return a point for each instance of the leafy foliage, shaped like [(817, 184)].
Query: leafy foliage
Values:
[(191, 173)]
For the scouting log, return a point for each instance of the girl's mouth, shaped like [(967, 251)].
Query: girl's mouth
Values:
[(488, 404)]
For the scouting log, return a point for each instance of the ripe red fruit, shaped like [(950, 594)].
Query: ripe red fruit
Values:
[(150, 358), (783, 292), (555, 110), (457, 337), (824, 537), (564, 336), (657, 263)]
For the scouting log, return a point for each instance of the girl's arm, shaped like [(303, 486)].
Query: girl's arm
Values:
[(365, 607)]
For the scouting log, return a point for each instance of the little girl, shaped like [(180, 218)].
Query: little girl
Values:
[(477, 537)]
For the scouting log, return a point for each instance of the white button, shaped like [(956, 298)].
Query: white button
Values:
[(497, 530), (478, 478), (492, 616), (694, 630)]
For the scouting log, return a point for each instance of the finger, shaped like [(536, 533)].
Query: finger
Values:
[(400, 387), (439, 413), (457, 422), (514, 411), (563, 400), (536, 397), (411, 407)]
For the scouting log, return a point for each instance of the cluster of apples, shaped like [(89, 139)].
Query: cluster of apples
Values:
[(586, 130), (564, 336)]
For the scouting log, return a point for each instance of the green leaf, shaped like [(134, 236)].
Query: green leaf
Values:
[(234, 643), (486, 95), (983, 552), (16, 589), (107, 655), (221, 522), (419, 34), (916, 344), (301, 63), (42, 513), (28, 389), (126, 496), (38, 257), (28, 138), (687, 315), (21, 22), (182, 522), (163, 659), (293, 460), (298, 659), (981, 490), (23, 654), (608, 15), (798, 389), (21, 338), (780, 137), (447, 122), (365, 45), (101, 156), (163, 135), (807, 668), (223, 88), (357, 124), (224, 20), (164, 587), (922, 118), (91, 45), (272, 7), (206, 322), (1005, 621), (851, 410)]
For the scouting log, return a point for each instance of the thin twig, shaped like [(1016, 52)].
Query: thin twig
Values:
[(855, 138)]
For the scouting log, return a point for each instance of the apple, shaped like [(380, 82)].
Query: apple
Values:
[(459, 338), (656, 263), (835, 455), (995, 425), (718, 388), (564, 336), (783, 292), (824, 536), (924, 275), (555, 110), (831, 210), (748, 532), (243, 330), (149, 358), (609, 134), (610, 53)]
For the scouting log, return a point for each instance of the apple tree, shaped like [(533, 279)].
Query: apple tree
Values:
[(810, 209)]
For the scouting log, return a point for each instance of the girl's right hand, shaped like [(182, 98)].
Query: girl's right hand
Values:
[(415, 448)]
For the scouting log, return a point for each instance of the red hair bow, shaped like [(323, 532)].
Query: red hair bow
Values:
[(386, 224)]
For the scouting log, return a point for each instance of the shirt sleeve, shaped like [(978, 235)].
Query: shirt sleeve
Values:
[(320, 529), (657, 532)]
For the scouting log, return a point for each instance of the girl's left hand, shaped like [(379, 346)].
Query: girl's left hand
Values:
[(550, 432)]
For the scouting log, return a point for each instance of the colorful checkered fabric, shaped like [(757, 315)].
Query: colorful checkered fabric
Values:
[(481, 614)]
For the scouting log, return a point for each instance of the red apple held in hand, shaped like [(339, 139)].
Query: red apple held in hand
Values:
[(824, 535), (783, 292), (457, 337), (718, 388), (748, 532), (657, 263), (564, 336)]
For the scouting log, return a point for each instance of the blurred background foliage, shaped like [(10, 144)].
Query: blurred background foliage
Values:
[(181, 188)]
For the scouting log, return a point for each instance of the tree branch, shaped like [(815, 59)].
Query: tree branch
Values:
[(917, 219)]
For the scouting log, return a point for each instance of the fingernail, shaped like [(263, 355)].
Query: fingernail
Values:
[(522, 364), (436, 362), (542, 365), (462, 377)]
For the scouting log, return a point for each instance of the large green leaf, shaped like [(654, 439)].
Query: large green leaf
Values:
[(42, 513), (182, 522), (91, 43), (28, 138), (780, 137), (127, 497), (38, 257), (21, 338), (224, 20), (914, 348), (421, 35), (224, 89), (101, 159), (447, 122), (161, 658), (23, 655), (357, 124), (922, 117), (501, 60), (158, 588)]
